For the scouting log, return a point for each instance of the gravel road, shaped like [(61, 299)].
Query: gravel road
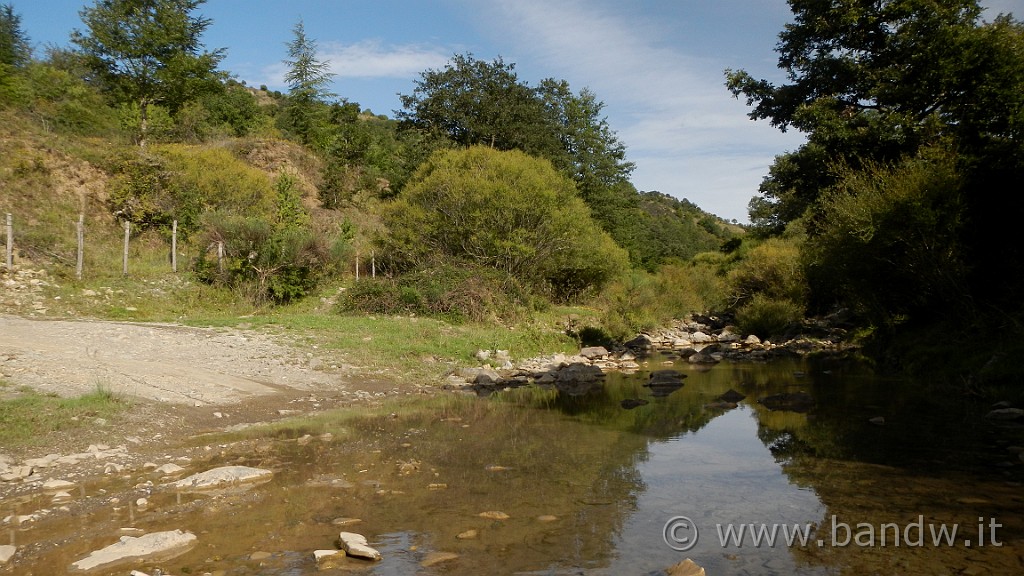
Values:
[(165, 363)]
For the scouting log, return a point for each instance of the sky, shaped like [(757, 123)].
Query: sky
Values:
[(657, 65)]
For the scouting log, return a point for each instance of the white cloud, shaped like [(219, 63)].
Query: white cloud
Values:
[(371, 59), (368, 59)]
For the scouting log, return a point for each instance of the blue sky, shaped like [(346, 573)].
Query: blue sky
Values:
[(656, 64)]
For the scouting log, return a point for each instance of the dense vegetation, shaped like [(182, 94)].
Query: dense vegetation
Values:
[(491, 198), (914, 112)]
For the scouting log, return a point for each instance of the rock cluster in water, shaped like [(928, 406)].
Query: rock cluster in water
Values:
[(700, 341)]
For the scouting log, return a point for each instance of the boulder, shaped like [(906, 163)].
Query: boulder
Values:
[(6, 553), (731, 396), (594, 352), (355, 545), (788, 401), (223, 477), (157, 546)]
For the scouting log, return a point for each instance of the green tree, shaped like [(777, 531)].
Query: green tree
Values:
[(148, 52), (501, 210), (876, 81), (308, 80), (473, 102), (15, 50)]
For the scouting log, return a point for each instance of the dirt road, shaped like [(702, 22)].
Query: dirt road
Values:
[(164, 363)]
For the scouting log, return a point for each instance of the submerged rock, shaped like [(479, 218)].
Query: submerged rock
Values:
[(223, 477), (731, 396), (630, 403), (158, 546), (788, 401)]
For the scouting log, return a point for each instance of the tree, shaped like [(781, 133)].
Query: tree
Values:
[(308, 80), (473, 102), (876, 81), (148, 52), (501, 210), (14, 45)]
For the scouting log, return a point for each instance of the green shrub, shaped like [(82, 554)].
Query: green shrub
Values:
[(505, 211), (773, 268), (453, 293), (767, 317)]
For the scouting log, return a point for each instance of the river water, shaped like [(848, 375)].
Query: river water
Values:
[(850, 474)]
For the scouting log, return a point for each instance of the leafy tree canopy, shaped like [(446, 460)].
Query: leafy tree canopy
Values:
[(148, 51), (876, 81), (473, 102)]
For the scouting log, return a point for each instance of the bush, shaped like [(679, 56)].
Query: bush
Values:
[(452, 293), (767, 317), (773, 269), (505, 211), (887, 241)]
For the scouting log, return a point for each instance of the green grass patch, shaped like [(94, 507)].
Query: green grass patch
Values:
[(29, 417)]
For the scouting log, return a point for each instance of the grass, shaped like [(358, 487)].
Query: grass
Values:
[(29, 417)]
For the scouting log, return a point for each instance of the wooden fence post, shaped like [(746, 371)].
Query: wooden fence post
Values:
[(373, 264), (10, 243), (174, 247), (220, 256), (80, 234), (357, 266), (127, 235)]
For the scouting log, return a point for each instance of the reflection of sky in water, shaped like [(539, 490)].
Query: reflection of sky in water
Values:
[(721, 474)]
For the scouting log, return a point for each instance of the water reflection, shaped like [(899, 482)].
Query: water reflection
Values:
[(590, 479)]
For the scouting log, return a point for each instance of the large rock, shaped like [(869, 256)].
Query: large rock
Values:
[(6, 553), (158, 546), (224, 477), (355, 545)]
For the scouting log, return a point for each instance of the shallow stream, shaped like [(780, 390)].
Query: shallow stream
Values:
[(849, 473)]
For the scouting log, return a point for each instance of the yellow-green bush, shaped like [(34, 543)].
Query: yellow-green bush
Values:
[(773, 269), (766, 316)]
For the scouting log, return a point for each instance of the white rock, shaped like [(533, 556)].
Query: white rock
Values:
[(319, 555), (169, 469), (224, 477), (355, 545), (52, 485), (6, 553), (159, 546)]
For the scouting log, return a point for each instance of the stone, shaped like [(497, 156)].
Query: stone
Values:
[(16, 473), (594, 352), (260, 555), (494, 515), (355, 545), (702, 358), (788, 401), (685, 568), (700, 338), (6, 553), (547, 518), (434, 558), (61, 497), (345, 521), (1005, 414), (631, 403), (877, 420), (169, 469), (157, 546), (322, 557), (52, 485), (223, 477), (752, 340), (467, 535), (731, 396)]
